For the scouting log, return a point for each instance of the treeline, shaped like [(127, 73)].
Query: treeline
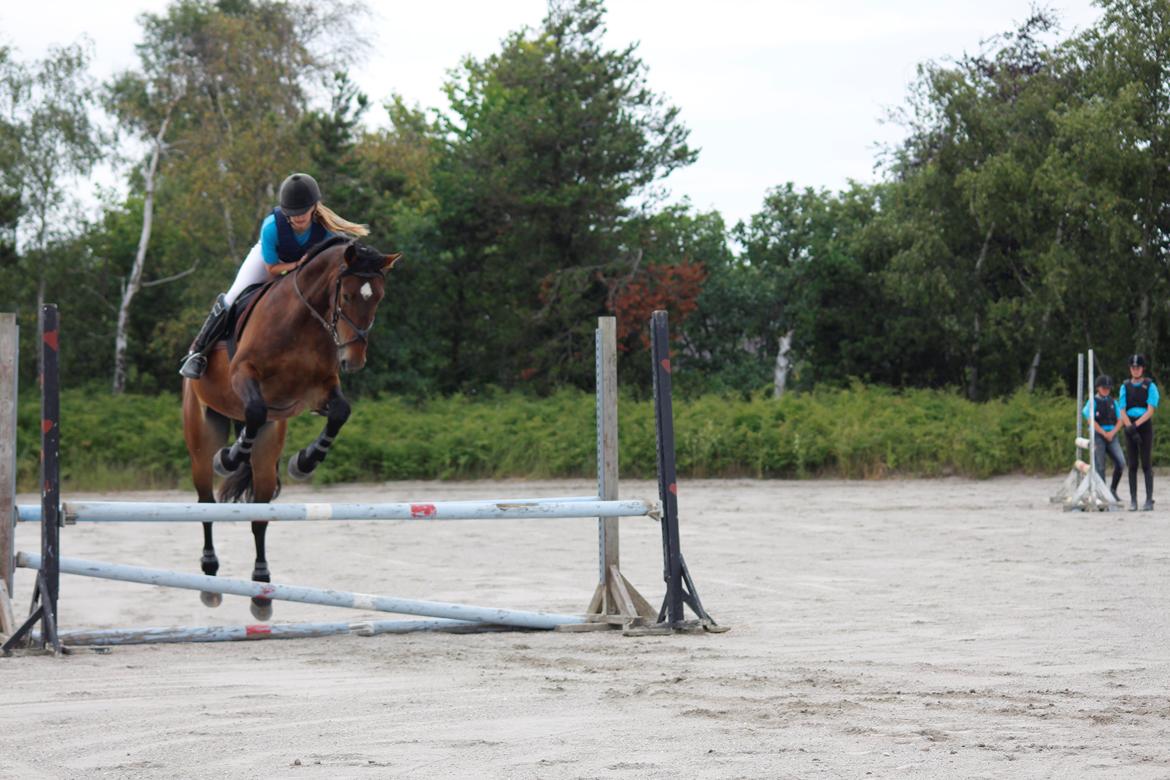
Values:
[(1022, 219)]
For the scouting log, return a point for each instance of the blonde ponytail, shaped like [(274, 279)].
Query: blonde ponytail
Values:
[(335, 224)]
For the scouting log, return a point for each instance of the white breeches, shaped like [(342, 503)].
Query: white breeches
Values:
[(252, 271)]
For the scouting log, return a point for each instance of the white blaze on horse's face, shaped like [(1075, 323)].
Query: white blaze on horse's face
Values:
[(367, 291)]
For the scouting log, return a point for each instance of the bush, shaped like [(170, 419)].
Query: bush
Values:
[(134, 442)]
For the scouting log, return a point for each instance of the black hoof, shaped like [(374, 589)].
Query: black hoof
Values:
[(262, 609)]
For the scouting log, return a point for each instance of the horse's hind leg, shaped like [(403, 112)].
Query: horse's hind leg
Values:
[(265, 486), (230, 460), (205, 431)]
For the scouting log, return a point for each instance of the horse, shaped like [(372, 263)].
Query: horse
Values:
[(307, 327)]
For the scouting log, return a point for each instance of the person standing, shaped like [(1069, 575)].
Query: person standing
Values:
[(1139, 398), (1104, 414)]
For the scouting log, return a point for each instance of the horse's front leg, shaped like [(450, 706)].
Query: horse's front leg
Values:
[(302, 464), (229, 460), (265, 484)]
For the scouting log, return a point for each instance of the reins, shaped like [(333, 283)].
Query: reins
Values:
[(362, 334)]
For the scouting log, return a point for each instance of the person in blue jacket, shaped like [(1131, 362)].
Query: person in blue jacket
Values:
[(300, 221), (1139, 398), (1103, 412)]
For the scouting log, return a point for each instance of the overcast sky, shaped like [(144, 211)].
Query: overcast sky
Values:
[(773, 91)]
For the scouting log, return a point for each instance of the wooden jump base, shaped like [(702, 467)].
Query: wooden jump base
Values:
[(615, 603)]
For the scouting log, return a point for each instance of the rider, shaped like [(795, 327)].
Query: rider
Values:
[(300, 221)]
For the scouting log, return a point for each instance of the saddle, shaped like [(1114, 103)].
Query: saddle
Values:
[(239, 315)]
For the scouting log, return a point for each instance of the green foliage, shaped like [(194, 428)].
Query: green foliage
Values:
[(135, 442), (548, 141)]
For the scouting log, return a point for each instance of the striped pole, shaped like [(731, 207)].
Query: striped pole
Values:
[(177, 634), (141, 512), (330, 598)]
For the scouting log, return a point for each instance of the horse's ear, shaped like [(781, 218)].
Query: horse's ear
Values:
[(350, 252), (389, 260)]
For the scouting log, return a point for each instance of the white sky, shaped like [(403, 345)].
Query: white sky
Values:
[(773, 91)]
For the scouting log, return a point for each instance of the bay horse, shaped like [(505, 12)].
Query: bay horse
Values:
[(309, 326)]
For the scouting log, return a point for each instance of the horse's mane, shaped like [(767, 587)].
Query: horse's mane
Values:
[(366, 259), (321, 246)]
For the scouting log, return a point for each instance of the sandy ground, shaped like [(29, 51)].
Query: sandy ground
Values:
[(880, 629)]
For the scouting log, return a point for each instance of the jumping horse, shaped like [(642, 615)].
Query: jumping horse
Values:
[(306, 328)]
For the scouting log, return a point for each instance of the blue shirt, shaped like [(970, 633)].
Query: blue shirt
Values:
[(1152, 399), (268, 239), (1100, 400)]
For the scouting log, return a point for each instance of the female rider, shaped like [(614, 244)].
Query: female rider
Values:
[(300, 221)]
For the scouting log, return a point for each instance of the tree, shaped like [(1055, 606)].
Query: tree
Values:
[(48, 140), (1109, 171), (549, 143), (983, 231)]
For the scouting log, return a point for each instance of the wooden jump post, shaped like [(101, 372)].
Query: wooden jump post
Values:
[(615, 603)]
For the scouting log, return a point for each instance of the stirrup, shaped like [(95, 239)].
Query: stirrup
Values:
[(194, 366)]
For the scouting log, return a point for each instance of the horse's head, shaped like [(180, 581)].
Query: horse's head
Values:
[(357, 286), (360, 287)]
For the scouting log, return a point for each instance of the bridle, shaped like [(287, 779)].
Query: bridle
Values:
[(330, 326)]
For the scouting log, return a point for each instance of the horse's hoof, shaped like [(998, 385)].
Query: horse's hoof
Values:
[(210, 599), (219, 463), (296, 473), (262, 613)]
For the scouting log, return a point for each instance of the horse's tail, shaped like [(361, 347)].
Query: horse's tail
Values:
[(237, 488)]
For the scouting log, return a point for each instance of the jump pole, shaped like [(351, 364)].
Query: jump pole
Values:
[(303, 595), (261, 631), (517, 509)]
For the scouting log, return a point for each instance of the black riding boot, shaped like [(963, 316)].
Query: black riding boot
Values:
[(196, 361)]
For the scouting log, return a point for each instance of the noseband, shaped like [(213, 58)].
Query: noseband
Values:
[(361, 334)]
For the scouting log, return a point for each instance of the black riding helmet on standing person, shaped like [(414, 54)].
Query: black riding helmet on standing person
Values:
[(1139, 399)]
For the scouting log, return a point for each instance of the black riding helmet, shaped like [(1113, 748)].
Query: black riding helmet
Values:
[(1137, 360), (298, 194), (1103, 381)]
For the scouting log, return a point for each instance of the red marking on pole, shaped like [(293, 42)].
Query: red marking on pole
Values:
[(46, 426), (423, 510), (673, 488), (666, 365), (267, 590), (51, 339), (257, 630)]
